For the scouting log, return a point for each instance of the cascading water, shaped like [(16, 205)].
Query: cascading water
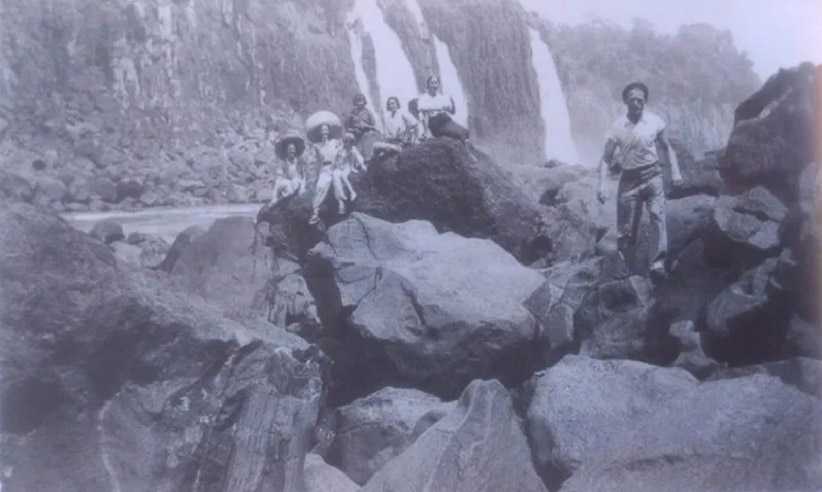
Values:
[(451, 81), (355, 44), (395, 75), (448, 71), (558, 141)]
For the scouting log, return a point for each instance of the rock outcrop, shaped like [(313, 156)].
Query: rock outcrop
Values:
[(438, 182), (765, 437), (621, 425), (479, 446), (374, 429), (439, 308), (113, 380)]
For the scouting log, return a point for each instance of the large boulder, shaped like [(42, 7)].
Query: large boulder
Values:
[(179, 245), (698, 176), (479, 446), (322, 477), (107, 230), (116, 381), (803, 372), (581, 405), (440, 308), (747, 322), (748, 433), (227, 265), (745, 228), (374, 429), (619, 319), (438, 182), (773, 135)]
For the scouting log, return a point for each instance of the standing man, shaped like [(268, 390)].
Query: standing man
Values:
[(640, 183)]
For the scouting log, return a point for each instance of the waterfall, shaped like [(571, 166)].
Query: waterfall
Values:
[(395, 75), (448, 71), (558, 141), (451, 81), (355, 44)]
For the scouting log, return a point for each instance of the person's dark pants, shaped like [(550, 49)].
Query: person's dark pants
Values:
[(442, 125), (638, 187)]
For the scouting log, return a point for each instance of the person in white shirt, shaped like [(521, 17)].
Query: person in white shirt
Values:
[(325, 154), (348, 160), (401, 129), (436, 108), (637, 135)]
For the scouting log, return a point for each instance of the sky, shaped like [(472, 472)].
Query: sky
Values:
[(774, 33)]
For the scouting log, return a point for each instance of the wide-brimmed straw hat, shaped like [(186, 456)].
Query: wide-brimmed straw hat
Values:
[(320, 118), (281, 146)]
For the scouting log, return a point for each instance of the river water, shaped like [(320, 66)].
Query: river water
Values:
[(163, 222)]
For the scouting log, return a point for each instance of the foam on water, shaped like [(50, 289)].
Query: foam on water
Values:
[(395, 75), (559, 143)]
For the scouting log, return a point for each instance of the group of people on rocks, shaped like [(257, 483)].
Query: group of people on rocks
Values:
[(637, 135), (336, 150)]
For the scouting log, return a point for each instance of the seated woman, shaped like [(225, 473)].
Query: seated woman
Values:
[(362, 125), (290, 173), (325, 154), (436, 108), (401, 129), (348, 160)]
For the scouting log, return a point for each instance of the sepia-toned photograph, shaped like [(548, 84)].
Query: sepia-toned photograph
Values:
[(410, 245)]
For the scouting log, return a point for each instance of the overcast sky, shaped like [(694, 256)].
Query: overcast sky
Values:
[(774, 33)]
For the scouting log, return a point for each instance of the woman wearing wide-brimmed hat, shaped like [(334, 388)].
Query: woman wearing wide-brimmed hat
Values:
[(290, 174), (324, 129)]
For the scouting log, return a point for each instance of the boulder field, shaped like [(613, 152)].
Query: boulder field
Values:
[(463, 328)]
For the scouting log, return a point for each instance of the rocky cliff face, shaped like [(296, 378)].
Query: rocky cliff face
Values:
[(183, 98)]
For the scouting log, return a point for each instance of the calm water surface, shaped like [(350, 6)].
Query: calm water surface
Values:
[(163, 222)]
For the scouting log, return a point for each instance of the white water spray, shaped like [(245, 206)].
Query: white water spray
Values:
[(558, 141), (448, 71), (395, 75)]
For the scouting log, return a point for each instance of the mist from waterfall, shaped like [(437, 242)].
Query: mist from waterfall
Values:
[(559, 143), (395, 74), (449, 76)]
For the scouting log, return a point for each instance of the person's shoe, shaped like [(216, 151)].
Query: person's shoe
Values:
[(341, 209), (315, 218), (353, 195)]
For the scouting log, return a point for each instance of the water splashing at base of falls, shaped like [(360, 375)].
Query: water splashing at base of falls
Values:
[(554, 111), (448, 71), (395, 75)]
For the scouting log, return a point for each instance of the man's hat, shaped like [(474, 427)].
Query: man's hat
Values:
[(281, 146)]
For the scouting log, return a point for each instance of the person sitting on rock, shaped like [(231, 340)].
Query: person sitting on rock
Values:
[(362, 125), (640, 183), (348, 160), (400, 129), (436, 108), (325, 154), (290, 173)]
